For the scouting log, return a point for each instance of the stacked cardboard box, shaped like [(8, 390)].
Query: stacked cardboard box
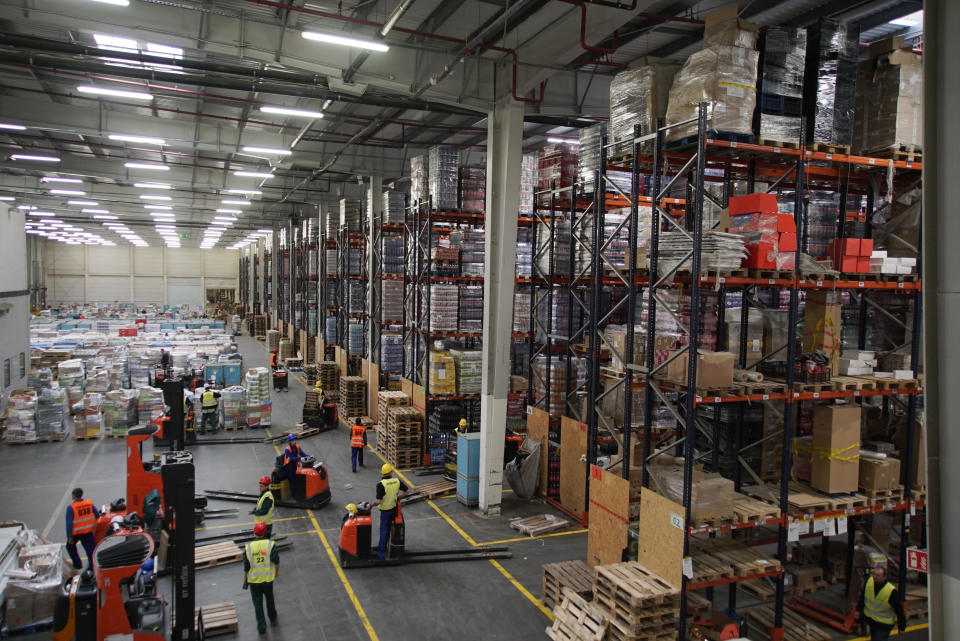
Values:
[(473, 189), (90, 424), (851, 255), (149, 404), (468, 368), (51, 404), (233, 407), (71, 376), (556, 167), (769, 236), (857, 363), (444, 165), (881, 263), (419, 183), (257, 382), (889, 109), (714, 370), (21, 424), (443, 373), (528, 183), (836, 448), (638, 96), (877, 474), (119, 411)]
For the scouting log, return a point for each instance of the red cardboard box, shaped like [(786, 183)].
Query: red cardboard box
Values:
[(761, 255), (863, 265), (866, 247), (786, 223), (753, 204), (847, 264), (849, 246), (787, 242)]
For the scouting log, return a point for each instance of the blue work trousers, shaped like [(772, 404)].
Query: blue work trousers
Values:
[(386, 520), (86, 540), (356, 454)]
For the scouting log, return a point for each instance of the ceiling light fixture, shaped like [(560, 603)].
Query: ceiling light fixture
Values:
[(329, 38), (563, 141), (245, 192), (268, 150), (144, 139), (83, 203), (151, 185), (34, 158), (105, 217), (144, 165), (118, 93), (150, 206), (254, 174), (11, 126), (229, 201), (58, 179), (288, 111), (152, 197), (94, 211), (68, 192), (229, 211), (7, 198)]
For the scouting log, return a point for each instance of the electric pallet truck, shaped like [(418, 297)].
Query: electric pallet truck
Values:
[(355, 549), (310, 489)]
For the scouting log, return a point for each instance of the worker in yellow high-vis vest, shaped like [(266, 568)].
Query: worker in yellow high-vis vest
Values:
[(263, 513), (880, 606), (389, 492), (261, 561)]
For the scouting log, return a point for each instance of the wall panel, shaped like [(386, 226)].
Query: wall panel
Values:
[(148, 289), (108, 261), (107, 289), (183, 262)]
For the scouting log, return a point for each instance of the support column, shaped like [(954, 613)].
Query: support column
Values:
[(941, 297), (504, 152)]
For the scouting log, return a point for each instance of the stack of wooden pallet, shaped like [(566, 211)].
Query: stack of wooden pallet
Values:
[(718, 558), (636, 603), (310, 373), (218, 619), (312, 399), (795, 627), (400, 437), (575, 619), (572, 575), (386, 400), (352, 401), (329, 375)]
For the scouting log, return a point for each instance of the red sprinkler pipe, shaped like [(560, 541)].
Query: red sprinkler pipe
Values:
[(583, 30)]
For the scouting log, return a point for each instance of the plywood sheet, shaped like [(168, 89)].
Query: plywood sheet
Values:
[(538, 429), (372, 374), (573, 470), (609, 517), (660, 545), (340, 356), (418, 398)]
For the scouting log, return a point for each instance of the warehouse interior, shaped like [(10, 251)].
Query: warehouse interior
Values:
[(645, 304)]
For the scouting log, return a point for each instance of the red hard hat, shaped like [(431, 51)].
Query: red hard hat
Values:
[(264, 480), (260, 529)]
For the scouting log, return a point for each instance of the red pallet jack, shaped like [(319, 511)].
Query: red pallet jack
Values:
[(355, 549), (310, 490), (846, 623)]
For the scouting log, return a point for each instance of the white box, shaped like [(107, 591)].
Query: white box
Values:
[(903, 374), (910, 262), (878, 253), (904, 269), (883, 374), (858, 355)]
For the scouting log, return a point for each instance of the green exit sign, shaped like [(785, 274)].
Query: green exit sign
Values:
[(185, 236)]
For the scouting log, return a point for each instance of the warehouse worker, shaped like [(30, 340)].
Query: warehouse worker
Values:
[(261, 563), (165, 361), (321, 398), (463, 426), (263, 513), (273, 359), (82, 517), (880, 606), (358, 440), (291, 458), (389, 492), (208, 404)]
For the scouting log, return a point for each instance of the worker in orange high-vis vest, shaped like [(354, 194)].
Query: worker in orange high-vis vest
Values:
[(82, 518), (358, 440)]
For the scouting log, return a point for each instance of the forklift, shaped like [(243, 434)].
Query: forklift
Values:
[(310, 489), (99, 604), (356, 551)]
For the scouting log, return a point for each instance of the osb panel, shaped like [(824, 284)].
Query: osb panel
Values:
[(538, 429), (660, 545), (609, 517), (573, 470)]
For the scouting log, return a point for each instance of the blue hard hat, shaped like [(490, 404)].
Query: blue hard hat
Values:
[(147, 565), (291, 437)]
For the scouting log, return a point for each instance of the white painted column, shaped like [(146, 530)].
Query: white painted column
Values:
[(504, 151), (374, 208)]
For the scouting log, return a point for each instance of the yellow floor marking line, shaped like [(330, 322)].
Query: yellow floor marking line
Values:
[(532, 538), (895, 632), (534, 600), (343, 579)]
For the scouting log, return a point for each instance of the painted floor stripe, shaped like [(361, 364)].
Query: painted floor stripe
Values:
[(60, 511)]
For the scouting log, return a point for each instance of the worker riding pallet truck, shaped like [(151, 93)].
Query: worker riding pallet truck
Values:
[(356, 549)]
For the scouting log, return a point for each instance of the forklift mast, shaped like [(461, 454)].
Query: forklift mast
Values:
[(179, 483)]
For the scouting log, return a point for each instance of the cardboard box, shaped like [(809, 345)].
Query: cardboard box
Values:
[(866, 247), (822, 326), (518, 384), (787, 242), (863, 265), (714, 369), (879, 474), (753, 203), (786, 223), (836, 449)]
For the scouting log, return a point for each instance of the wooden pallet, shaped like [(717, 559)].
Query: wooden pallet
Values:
[(575, 619), (813, 387), (234, 428), (747, 388), (894, 385), (91, 437), (822, 147), (634, 586), (576, 576), (759, 588), (208, 556), (767, 274), (908, 153), (810, 588), (433, 490), (41, 439), (750, 509), (743, 560), (818, 276), (879, 497), (795, 627), (540, 524), (767, 142), (846, 383), (218, 619)]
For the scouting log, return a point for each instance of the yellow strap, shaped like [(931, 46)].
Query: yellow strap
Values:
[(724, 83), (828, 453)]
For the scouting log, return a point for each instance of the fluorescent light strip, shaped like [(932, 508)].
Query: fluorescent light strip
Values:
[(229, 211), (67, 192), (118, 93), (34, 158), (245, 192), (58, 179), (11, 127), (151, 197), (287, 111), (152, 206), (235, 202), (147, 140), (268, 150), (253, 174), (151, 185), (7, 198), (94, 211), (105, 217), (563, 141), (329, 38), (143, 165), (83, 203)]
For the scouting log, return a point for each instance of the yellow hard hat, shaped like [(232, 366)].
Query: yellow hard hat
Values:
[(351, 508), (386, 468), (463, 422)]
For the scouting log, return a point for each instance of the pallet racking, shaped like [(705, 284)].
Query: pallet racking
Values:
[(640, 294)]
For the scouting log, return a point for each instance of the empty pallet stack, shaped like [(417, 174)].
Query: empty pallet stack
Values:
[(329, 376), (386, 400), (353, 397), (400, 438), (573, 575)]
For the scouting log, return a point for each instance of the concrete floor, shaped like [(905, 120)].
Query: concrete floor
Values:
[(315, 598)]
